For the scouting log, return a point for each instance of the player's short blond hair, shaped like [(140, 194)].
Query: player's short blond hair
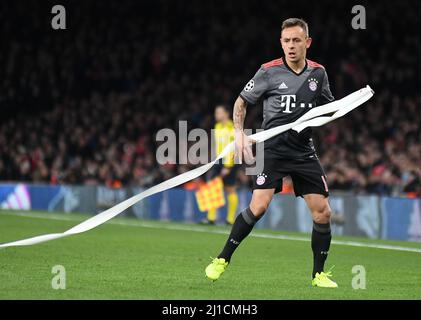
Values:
[(294, 22)]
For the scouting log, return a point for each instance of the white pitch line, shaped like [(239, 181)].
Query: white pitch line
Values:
[(132, 223)]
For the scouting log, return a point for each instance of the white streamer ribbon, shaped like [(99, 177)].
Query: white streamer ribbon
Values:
[(313, 118)]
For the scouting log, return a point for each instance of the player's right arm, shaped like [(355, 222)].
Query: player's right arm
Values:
[(242, 141), (251, 93)]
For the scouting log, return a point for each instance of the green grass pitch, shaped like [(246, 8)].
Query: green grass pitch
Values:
[(134, 259)]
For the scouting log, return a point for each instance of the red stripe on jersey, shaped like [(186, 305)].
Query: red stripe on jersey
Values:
[(314, 64), (276, 62)]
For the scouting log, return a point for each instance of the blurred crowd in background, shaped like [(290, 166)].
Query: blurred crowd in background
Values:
[(83, 105)]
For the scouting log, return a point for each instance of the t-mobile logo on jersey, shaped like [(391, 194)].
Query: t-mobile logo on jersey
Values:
[(288, 102)]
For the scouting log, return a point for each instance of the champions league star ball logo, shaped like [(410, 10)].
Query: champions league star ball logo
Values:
[(312, 84), (261, 178), (249, 86)]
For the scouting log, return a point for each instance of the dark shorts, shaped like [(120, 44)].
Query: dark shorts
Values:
[(230, 179), (307, 176)]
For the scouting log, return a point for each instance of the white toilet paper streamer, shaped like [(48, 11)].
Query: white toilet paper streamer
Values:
[(313, 118)]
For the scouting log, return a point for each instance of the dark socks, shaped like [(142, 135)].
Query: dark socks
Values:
[(320, 244), (241, 228)]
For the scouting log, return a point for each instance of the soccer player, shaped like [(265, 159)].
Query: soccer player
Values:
[(290, 86), (227, 170)]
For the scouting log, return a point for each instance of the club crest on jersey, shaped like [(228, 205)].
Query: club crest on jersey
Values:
[(261, 178), (249, 86), (312, 84)]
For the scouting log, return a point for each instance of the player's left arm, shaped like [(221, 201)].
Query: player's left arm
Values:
[(326, 95)]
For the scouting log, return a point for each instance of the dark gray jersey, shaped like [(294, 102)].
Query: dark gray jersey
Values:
[(286, 97)]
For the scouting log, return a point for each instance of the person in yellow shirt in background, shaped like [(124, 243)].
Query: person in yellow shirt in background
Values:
[(227, 170)]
